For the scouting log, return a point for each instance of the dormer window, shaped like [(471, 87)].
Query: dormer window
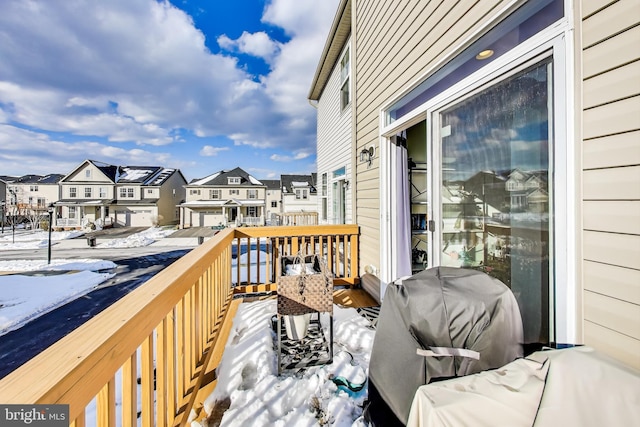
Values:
[(233, 180), (302, 194)]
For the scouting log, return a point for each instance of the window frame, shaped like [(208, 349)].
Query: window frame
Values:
[(345, 78)]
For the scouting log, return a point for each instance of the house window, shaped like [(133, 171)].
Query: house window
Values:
[(233, 180), (302, 194), (73, 192), (149, 191), (126, 193), (194, 192), (274, 204), (252, 211), (345, 72), (42, 202), (214, 194), (323, 194), (30, 201), (72, 212), (234, 192), (252, 194), (339, 172), (102, 192), (87, 192), (33, 188)]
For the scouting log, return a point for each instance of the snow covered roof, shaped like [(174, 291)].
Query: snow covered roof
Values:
[(290, 182), (221, 179), (136, 174)]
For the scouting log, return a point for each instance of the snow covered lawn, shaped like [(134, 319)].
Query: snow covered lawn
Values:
[(34, 239), (23, 298)]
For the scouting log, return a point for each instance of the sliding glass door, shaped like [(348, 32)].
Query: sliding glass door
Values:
[(493, 186)]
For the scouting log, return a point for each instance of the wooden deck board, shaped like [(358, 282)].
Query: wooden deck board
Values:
[(355, 298)]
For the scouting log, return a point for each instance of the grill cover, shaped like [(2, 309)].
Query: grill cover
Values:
[(439, 307)]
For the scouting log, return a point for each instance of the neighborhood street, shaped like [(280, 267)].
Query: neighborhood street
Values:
[(135, 266)]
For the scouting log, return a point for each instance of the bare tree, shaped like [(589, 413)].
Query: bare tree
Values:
[(15, 215), (35, 217)]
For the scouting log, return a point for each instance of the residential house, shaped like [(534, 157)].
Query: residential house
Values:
[(547, 89), (332, 91), (3, 197), (299, 193), (109, 195), (299, 200), (225, 198), (273, 200), (148, 195), (34, 193)]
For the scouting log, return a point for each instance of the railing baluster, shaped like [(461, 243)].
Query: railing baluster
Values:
[(106, 405), (79, 421), (147, 382), (197, 325), (130, 392), (171, 365), (180, 341), (188, 337), (161, 369)]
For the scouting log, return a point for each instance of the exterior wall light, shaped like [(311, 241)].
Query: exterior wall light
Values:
[(366, 155)]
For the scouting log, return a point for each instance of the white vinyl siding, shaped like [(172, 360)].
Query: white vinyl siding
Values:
[(611, 173), (334, 140)]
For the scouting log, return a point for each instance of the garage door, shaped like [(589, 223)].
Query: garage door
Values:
[(139, 219)]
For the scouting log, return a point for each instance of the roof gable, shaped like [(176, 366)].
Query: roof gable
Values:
[(110, 172), (222, 179)]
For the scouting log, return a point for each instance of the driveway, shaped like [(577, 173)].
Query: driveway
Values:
[(114, 233)]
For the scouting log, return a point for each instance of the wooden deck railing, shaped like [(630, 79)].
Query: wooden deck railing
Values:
[(164, 339)]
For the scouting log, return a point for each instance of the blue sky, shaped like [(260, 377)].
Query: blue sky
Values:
[(198, 85)]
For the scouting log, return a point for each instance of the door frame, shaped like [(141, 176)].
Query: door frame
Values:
[(564, 299)]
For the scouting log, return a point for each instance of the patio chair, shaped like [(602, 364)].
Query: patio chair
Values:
[(305, 288)]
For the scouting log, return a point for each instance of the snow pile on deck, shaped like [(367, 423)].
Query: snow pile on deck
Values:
[(249, 386)]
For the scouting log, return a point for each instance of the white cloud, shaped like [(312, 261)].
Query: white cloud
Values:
[(209, 150), (297, 156), (25, 150), (256, 44), (139, 71)]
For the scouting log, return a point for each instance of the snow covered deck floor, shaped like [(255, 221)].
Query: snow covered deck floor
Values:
[(248, 390)]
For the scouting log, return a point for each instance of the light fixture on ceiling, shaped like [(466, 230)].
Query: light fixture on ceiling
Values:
[(487, 53)]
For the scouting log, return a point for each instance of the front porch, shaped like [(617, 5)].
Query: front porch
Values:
[(151, 358)]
